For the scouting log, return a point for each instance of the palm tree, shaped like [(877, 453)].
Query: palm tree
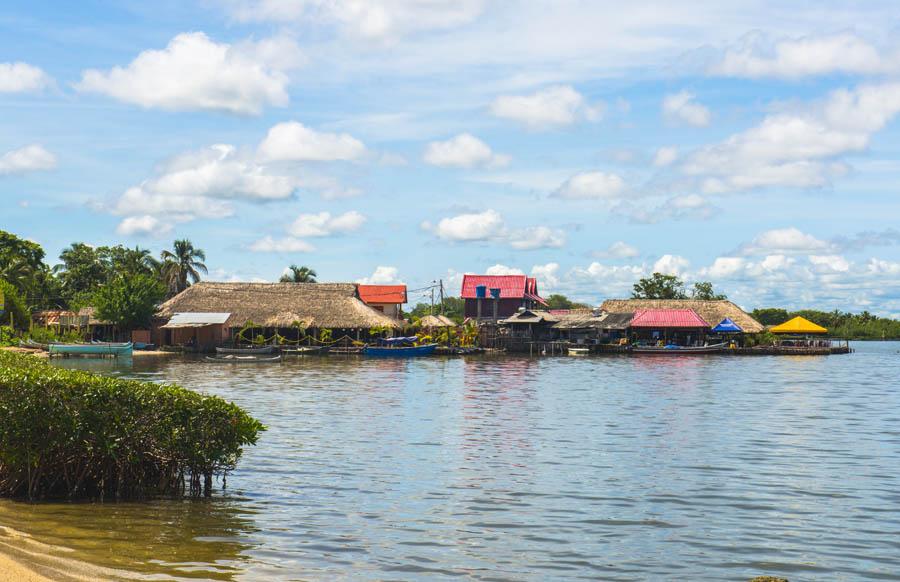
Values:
[(299, 275), (182, 264)]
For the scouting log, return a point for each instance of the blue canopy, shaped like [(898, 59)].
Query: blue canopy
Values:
[(727, 326)]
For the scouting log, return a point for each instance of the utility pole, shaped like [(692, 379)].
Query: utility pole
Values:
[(432, 300), (442, 296)]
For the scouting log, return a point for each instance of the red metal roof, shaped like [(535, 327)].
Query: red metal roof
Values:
[(667, 318), (391, 294), (511, 286)]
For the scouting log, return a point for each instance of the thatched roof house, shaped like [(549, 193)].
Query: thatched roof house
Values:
[(280, 305), (711, 311), (436, 321)]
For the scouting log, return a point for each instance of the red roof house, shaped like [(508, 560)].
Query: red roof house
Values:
[(668, 318), (384, 298), (515, 291)]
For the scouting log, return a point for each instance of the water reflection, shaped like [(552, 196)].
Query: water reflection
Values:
[(509, 468)]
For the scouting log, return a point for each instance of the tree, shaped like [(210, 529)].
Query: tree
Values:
[(82, 271), (704, 290), (22, 266), (12, 306), (299, 275), (454, 308), (129, 301), (120, 259), (182, 266), (559, 301), (659, 286)]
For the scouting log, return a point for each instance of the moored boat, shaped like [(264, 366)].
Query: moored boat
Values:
[(30, 344), (265, 350), (98, 349), (673, 350), (306, 351), (579, 351), (239, 359), (388, 351)]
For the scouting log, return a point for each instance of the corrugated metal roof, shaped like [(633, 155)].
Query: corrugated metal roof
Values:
[(511, 286), (667, 318), (383, 294), (196, 319)]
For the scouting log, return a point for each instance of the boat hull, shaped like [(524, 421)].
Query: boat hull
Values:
[(238, 359), (119, 350), (246, 351), (404, 352), (679, 351), (307, 351)]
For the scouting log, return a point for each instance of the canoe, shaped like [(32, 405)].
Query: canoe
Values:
[(144, 346), (33, 345), (400, 352), (679, 350), (92, 349), (238, 359), (306, 351), (247, 351)]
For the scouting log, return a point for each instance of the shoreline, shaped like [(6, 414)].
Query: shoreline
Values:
[(11, 570)]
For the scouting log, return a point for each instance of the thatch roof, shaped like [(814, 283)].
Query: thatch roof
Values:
[(436, 321), (712, 311), (318, 305), (530, 316), (89, 314)]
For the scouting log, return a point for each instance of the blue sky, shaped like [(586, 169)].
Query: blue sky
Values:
[(751, 143)]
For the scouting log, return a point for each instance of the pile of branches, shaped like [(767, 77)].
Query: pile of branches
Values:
[(77, 435)]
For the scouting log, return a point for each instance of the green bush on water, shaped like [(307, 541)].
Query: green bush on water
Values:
[(71, 434)]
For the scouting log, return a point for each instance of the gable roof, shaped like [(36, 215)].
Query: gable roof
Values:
[(708, 310), (727, 326), (511, 286), (391, 294), (319, 305), (798, 325), (667, 318), (436, 321), (531, 316)]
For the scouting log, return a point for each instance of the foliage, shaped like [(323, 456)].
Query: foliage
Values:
[(299, 275), (81, 270), (704, 291), (72, 434), (15, 309), (840, 324), (558, 301), (8, 336), (129, 301), (46, 335), (325, 335), (21, 265), (182, 266), (659, 286)]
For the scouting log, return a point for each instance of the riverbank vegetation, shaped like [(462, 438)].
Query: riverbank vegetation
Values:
[(75, 435)]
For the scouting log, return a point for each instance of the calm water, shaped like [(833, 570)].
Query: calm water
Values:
[(608, 468)]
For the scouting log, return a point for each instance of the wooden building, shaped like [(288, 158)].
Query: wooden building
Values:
[(286, 308), (710, 311), (494, 297)]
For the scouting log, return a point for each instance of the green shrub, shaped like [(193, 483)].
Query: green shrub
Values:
[(15, 309), (71, 434), (8, 336)]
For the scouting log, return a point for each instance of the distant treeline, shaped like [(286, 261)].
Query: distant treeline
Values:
[(839, 323)]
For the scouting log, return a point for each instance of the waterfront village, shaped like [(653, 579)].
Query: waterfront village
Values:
[(499, 313)]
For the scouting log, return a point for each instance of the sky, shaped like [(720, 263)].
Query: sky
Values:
[(753, 144)]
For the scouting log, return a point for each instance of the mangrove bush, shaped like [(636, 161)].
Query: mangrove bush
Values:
[(72, 434)]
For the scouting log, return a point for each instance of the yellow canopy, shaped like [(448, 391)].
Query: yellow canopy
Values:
[(798, 325)]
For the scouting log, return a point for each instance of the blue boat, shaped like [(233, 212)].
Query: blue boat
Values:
[(95, 349), (399, 347)]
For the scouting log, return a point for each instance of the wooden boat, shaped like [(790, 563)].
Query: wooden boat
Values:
[(306, 351), (346, 350), (238, 359), (100, 349), (30, 344), (144, 346), (673, 350), (400, 351), (580, 351), (247, 351)]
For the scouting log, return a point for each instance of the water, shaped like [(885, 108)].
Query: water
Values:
[(613, 468)]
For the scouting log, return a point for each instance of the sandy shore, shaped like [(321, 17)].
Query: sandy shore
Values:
[(13, 571)]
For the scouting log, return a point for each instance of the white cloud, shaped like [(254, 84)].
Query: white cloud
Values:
[(827, 263), (592, 186), (294, 141), (384, 21), (552, 107), (324, 224), (546, 275), (143, 225), (27, 159), (382, 276), (194, 73), (807, 56), (23, 78), (681, 108), (724, 267), (267, 244), (537, 237), (499, 269), (665, 156), (783, 241), (797, 149), (684, 207), (618, 250), (463, 151), (671, 265), (881, 267), (469, 227)]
